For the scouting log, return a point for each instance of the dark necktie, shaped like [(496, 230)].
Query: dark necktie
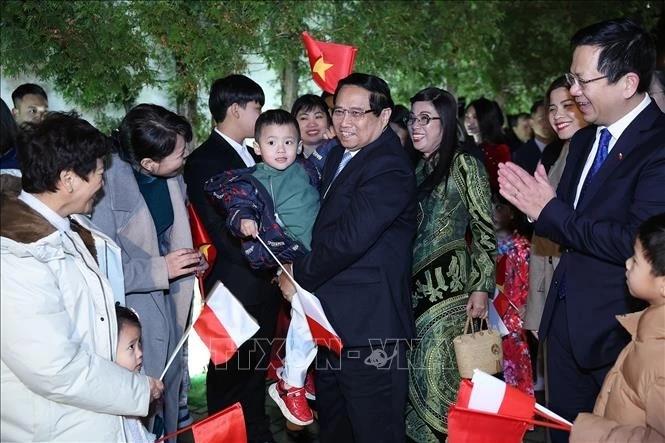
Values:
[(601, 155)]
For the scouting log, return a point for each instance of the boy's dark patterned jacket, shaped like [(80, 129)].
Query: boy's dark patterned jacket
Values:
[(241, 196)]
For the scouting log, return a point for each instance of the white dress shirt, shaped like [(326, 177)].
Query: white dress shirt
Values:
[(240, 149), (616, 129)]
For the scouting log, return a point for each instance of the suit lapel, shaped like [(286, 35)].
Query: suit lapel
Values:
[(226, 152), (577, 156), (333, 160), (631, 137)]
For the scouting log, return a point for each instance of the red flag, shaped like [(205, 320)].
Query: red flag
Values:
[(224, 325), (501, 270), (201, 240), (489, 411), (501, 303), (329, 62), (227, 425), (489, 394)]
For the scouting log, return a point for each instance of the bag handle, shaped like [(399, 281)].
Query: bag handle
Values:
[(469, 321)]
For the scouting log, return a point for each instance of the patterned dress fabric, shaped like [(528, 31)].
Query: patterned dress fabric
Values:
[(446, 269), (513, 258)]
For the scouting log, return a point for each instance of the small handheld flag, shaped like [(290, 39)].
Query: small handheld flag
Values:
[(224, 325), (202, 241), (227, 425), (329, 62)]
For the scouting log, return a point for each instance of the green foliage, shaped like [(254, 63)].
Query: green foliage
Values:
[(91, 50), (100, 54)]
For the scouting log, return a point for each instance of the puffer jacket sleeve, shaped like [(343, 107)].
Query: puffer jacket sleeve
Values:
[(243, 197), (41, 348), (235, 193), (590, 427)]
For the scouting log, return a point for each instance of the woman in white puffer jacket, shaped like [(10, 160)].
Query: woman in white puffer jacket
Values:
[(58, 328)]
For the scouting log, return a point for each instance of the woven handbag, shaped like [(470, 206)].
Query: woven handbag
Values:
[(478, 350)]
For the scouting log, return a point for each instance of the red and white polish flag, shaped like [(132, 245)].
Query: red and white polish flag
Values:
[(322, 331), (224, 324), (489, 394)]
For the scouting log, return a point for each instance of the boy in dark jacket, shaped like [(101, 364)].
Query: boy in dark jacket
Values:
[(277, 200)]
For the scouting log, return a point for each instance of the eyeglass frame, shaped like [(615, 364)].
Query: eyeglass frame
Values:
[(354, 114), (411, 119), (581, 83)]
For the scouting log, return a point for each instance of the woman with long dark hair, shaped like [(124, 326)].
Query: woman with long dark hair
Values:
[(452, 277), (483, 120)]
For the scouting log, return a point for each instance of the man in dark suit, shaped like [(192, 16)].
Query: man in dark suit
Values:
[(360, 268), (528, 155), (613, 180), (235, 103)]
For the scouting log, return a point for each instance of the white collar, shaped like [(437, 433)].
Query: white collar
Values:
[(232, 142), (60, 223), (242, 151), (617, 128)]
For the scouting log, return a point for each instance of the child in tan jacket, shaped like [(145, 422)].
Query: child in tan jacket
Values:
[(631, 403)]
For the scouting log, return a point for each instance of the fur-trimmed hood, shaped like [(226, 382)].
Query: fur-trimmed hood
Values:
[(19, 221), (29, 231)]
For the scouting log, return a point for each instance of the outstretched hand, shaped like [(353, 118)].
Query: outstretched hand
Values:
[(185, 261), (528, 193)]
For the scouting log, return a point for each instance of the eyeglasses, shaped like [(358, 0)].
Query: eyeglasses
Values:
[(355, 114), (422, 119), (572, 79)]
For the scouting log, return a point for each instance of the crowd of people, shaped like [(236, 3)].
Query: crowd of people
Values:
[(404, 221)]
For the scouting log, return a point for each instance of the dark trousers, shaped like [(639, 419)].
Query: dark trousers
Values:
[(243, 378), (361, 396), (572, 389)]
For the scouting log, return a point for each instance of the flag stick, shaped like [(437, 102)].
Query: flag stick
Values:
[(184, 336), (551, 415), (177, 348)]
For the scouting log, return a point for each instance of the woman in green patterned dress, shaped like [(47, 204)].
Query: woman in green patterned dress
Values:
[(453, 272)]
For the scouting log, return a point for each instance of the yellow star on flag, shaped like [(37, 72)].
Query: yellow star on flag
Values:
[(320, 67)]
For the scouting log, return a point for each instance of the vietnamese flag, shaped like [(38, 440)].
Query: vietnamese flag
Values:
[(201, 240), (227, 425), (224, 325), (329, 62)]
